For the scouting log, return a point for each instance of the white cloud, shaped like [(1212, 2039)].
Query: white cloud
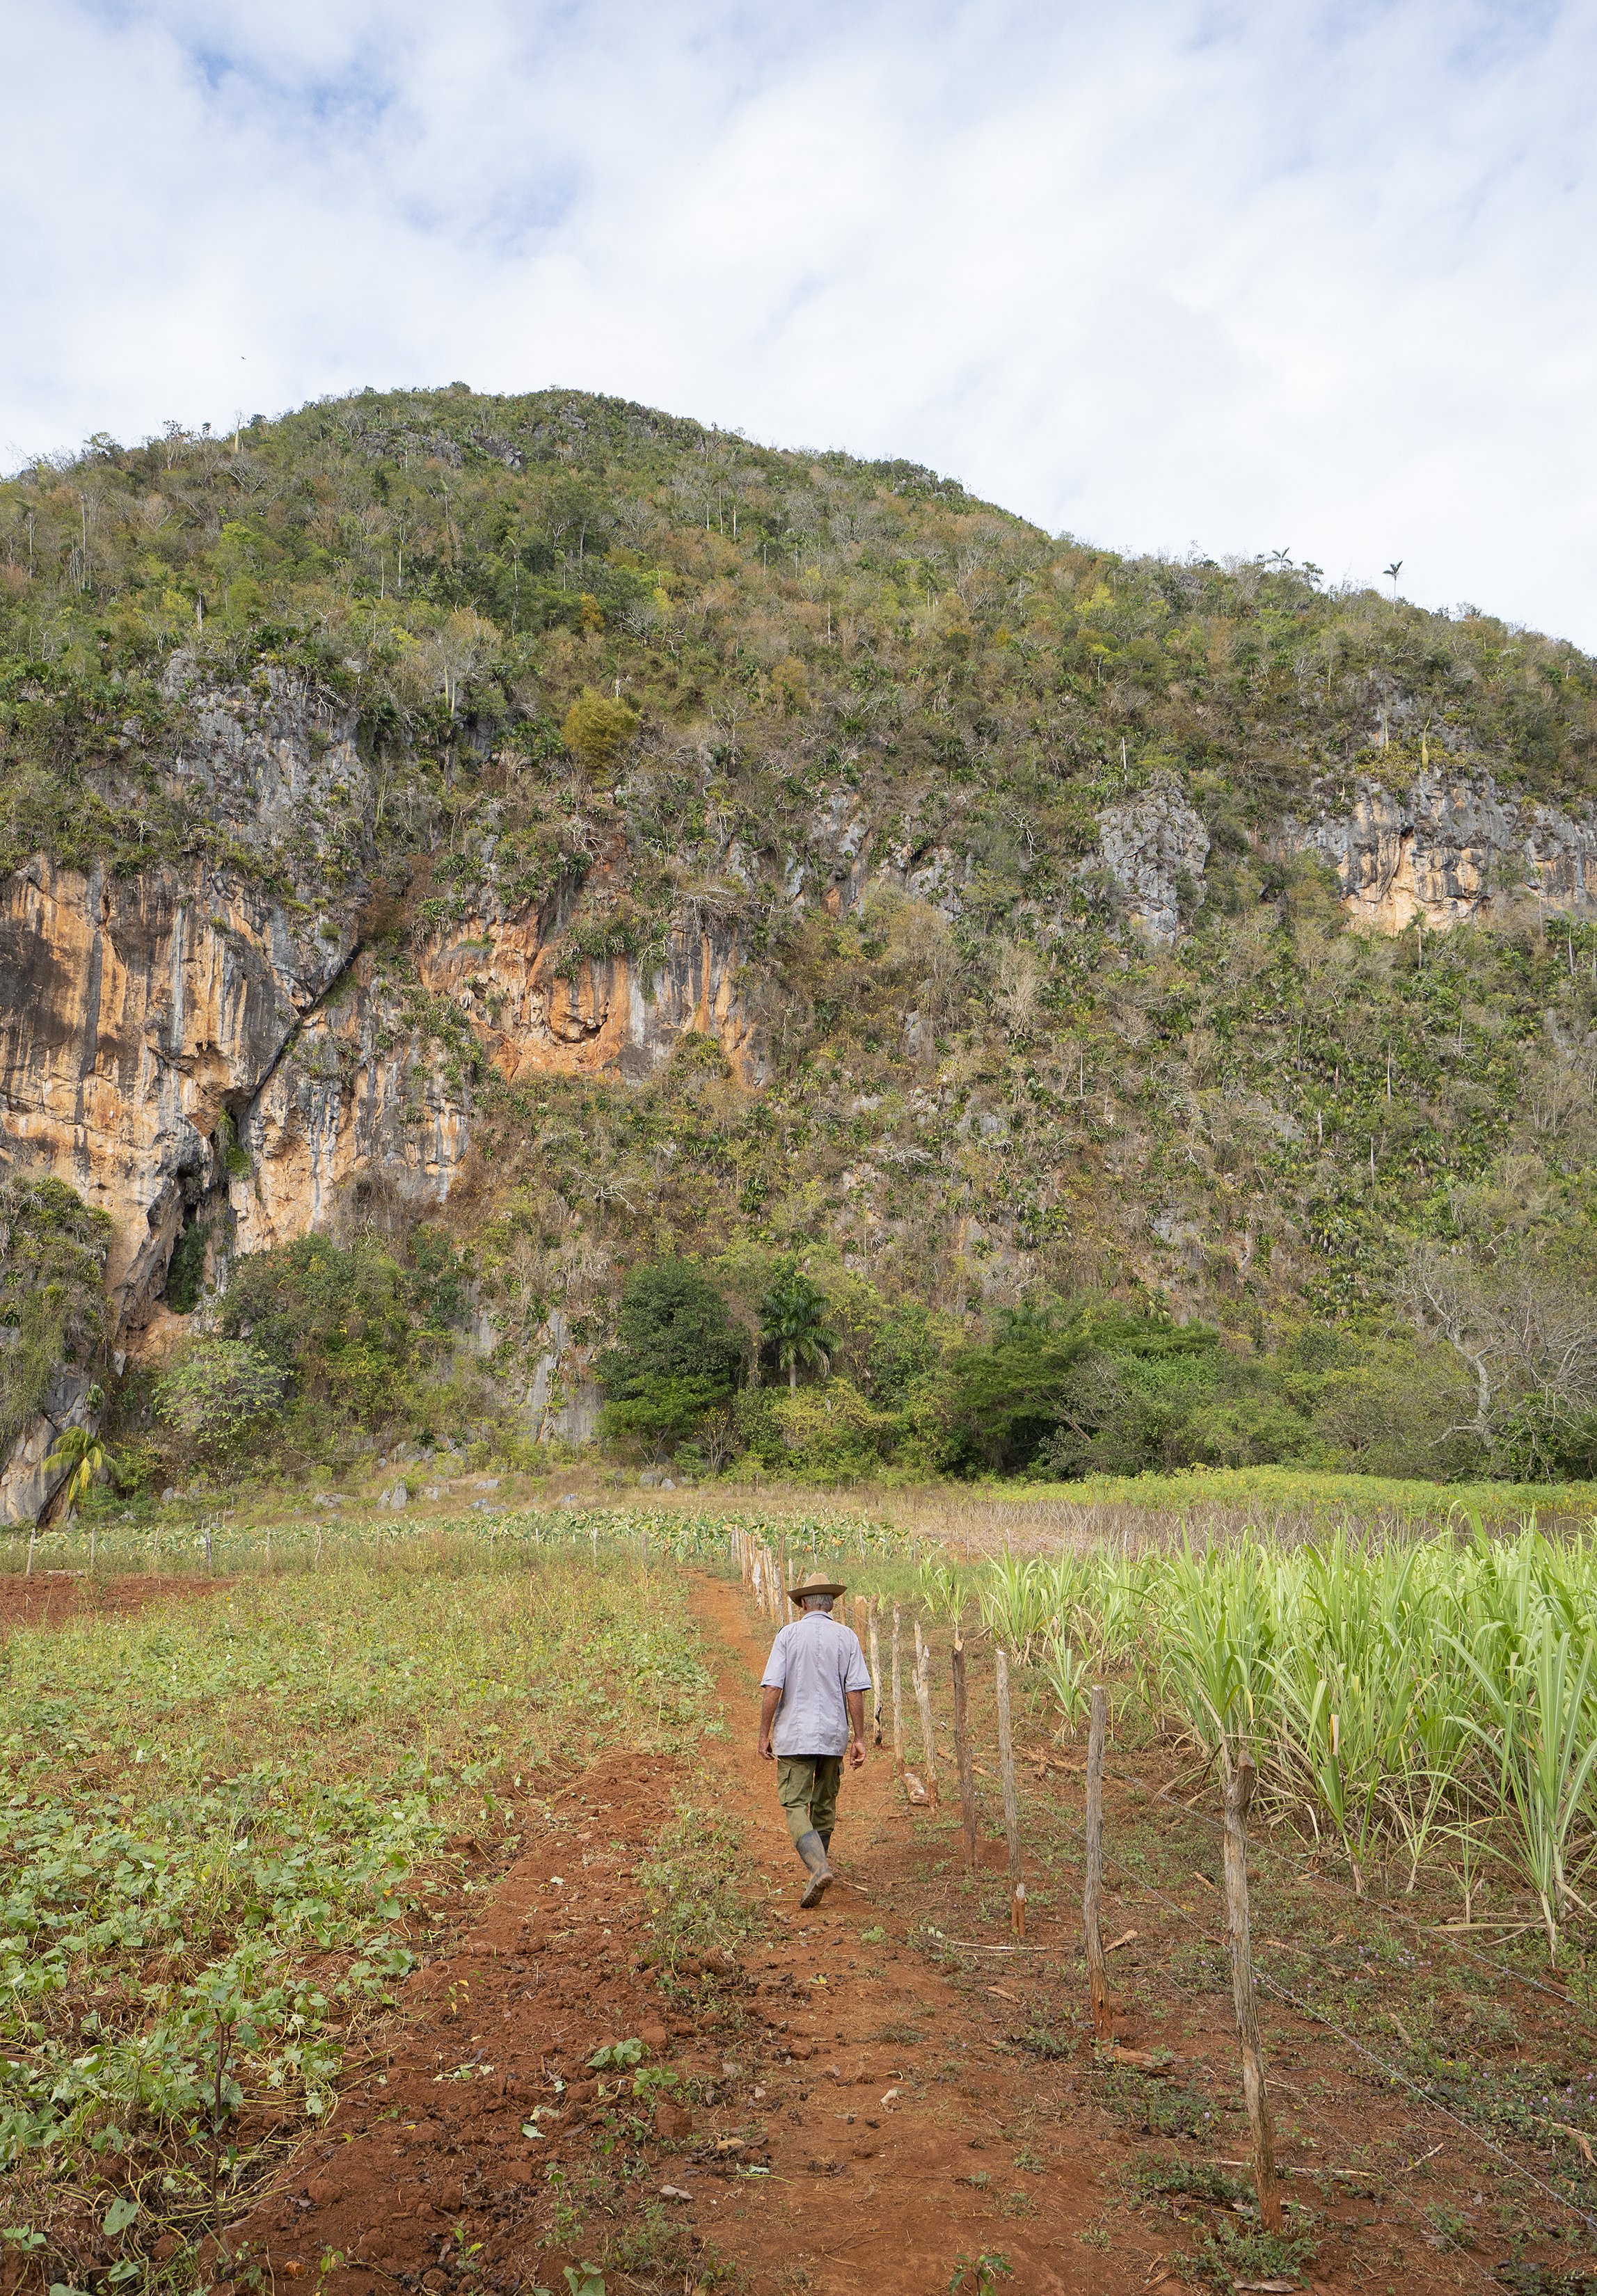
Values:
[(1252, 275)]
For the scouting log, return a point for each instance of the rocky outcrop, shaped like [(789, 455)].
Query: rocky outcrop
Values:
[(371, 1094), (1154, 847), (136, 1014), (535, 1008), (1448, 848), (27, 1486)]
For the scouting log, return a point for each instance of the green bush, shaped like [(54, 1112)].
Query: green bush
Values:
[(217, 1393), (677, 1357), (186, 1270), (53, 1251)]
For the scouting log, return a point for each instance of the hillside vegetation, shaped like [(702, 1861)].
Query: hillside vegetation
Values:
[(1067, 1200)]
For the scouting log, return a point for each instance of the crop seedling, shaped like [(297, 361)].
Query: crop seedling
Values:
[(979, 2276)]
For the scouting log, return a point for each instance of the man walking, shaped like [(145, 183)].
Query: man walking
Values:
[(813, 1690)]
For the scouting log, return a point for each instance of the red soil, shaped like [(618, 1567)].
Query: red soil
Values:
[(867, 2120), (51, 1598)]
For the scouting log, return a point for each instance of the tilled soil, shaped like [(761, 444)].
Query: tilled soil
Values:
[(426, 2172), (54, 1598), (880, 2094)]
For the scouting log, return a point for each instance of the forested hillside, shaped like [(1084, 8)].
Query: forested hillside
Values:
[(935, 964)]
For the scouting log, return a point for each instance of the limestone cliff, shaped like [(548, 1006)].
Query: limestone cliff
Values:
[(229, 1036), (1154, 847), (1448, 848)]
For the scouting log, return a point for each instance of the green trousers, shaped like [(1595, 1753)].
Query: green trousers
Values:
[(807, 1789)]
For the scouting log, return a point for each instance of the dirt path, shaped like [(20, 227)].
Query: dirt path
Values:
[(905, 2141), (854, 2125)]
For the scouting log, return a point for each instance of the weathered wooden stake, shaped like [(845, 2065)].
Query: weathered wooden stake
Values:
[(898, 1701), (1103, 2023), (876, 1680), (962, 1754), (1239, 1781), (1005, 1768), (923, 1700)]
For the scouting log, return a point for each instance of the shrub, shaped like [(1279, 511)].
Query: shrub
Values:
[(833, 1433), (218, 1392), (678, 1355), (53, 1251), (595, 728)]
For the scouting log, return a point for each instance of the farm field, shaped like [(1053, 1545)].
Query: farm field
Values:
[(412, 1911), (1282, 1502)]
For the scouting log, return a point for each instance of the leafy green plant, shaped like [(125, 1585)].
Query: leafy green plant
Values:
[(616, 2056), (80, 1456), (980, 2274), (793, 1324)]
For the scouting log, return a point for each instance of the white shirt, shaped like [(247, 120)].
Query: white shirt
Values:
[(814, 1661)]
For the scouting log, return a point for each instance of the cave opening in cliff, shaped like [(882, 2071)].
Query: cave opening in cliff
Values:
[(186, 1269), (200, 1251)]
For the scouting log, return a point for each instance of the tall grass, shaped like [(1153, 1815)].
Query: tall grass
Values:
[(1394, 1693)]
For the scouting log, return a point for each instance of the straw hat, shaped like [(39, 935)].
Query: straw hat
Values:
[(817, 1583)]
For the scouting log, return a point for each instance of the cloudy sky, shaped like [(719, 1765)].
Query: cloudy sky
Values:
[(1256, 275)]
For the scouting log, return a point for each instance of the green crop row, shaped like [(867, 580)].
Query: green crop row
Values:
[(222, 1821), (1402, 1701)]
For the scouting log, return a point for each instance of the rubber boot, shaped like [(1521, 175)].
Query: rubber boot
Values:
[(813, 1849)]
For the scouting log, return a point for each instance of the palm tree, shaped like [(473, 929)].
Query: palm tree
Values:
[(81, 1456), (1392, 572), (792, 1321)]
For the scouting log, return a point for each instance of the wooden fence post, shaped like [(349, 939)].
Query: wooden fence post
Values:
[(1239, 1782), (923, 1700), (1103, 2023), (962, 1755), (876, 1679), (1006, 1766), (898, 1701)]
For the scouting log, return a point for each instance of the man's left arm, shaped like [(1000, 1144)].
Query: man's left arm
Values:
[(856, 1683)]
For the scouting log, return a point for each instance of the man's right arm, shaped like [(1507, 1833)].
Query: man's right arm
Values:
[(772, 1685)]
